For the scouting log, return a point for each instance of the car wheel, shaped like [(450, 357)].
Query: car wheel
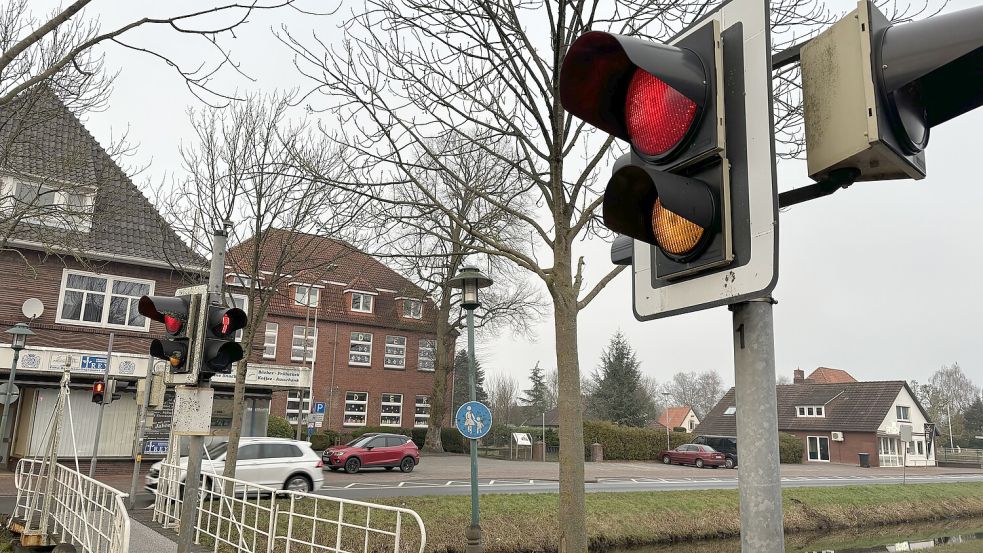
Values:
[(729, 463), (407, 464), (390, 468), (666, 460), (352, 465), (699, 463), (298, 483)]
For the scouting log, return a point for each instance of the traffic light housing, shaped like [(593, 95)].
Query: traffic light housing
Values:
[(99, 391), (220, 348), (176, 314), (872, 91), (666, 100)]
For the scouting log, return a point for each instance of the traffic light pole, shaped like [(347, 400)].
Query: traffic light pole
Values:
[(102, 407), (759, 482), (196, 443)]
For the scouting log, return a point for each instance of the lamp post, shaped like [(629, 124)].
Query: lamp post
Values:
[(18, 341), (469, 280), (666, 396)]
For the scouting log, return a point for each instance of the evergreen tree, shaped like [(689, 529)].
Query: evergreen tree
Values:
[(973, 419), (617, 389), (462, 391), (539, 395)]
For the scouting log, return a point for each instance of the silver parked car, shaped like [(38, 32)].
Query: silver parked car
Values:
[(272, 462)]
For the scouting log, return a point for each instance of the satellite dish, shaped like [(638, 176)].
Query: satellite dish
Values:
[(33, 308)]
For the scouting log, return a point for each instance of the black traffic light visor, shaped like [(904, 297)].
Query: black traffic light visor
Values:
[(166, 350), (219, 355), (631, 194), (155, 307), (598, 68)]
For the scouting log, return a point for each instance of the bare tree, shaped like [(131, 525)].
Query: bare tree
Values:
[(243, 170), (503, 395)]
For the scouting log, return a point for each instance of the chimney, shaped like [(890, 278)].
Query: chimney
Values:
[(799, 376)]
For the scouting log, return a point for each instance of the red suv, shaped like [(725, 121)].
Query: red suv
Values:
[(373, 450)]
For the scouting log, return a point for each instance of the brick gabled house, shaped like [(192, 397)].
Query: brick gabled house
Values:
[(367, 332), (678, 417), (80, 236), (838, 421)]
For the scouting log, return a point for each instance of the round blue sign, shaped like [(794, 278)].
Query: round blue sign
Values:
[(473, 420)]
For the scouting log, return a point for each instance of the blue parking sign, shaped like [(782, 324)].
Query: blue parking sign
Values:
[(318, 407)]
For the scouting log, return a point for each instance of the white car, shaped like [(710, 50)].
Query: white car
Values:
[(273, 462)]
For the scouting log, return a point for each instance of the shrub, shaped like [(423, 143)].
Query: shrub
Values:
[(324, 440), (419, 436), (500, 435), (626, 443), (789, 448), (452, 440), (278, 427)]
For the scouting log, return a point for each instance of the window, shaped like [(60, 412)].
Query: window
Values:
[(392, 410), (361, 302), (248, 452), (421, 419), (395, 352), (813, 411), (692, 424), (730, 410), (818, 448), (428, 355), (395, 441), (819, 411), (302, 347), (241, 280), (280, 451), (242, 302), (50, 206), (360, 349), (269, 341), (904, 413), (355, 406), (921, 447), (102, 300), (296, 407), (412, 309), (306, 295)]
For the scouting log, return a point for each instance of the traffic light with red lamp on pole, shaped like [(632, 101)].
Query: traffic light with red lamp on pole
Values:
[(176, 313), (220, 350)]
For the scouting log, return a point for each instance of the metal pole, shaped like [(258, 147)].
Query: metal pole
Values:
[(473, 533), (948, 416), (665, 395), (138, 441), (7, 441), (196, 444), (102, 406), (757, 428)]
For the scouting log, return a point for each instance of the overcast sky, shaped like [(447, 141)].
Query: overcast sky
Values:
[(881, 280)]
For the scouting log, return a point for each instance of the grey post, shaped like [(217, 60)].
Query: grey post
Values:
[(138, 439), (473, 533), (189, 507), (102, 406), (759, 482), (7, 443)]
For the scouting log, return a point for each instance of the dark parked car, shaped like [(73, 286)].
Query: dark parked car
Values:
[(373, 450), (724, 444), (693, 454)]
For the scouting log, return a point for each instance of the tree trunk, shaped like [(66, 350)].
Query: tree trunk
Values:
[(443, 364), (573, 521), (235, 428)]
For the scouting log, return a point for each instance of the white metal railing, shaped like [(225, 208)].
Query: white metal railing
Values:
[(84, 511), (258, 519)]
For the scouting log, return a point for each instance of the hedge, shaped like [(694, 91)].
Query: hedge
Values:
[(500, 435), (452, 440), (625, 443), (789, 449), (278, 427)]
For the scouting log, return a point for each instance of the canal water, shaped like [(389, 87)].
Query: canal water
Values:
[(961, 536)]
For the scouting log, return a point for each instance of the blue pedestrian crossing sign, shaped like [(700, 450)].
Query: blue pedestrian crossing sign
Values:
[(473, 420)]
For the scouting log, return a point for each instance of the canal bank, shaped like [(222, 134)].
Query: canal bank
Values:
[(520, 523)]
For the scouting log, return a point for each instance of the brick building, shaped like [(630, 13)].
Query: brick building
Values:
[(367, 332), (82, 238), (837, 421)]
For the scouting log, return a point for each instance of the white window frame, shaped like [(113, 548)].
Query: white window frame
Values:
[(242, 302), (811, 411), (11, 188), (390, 353), (897, 412), (308, 291), (421, 420), (360, 341), (361, 304), (388, 401), (819, 449), (301, 402), (241, 280), (730, 410), (351, 405), (267, 343), (107, 299), (409, 313), (419, 355), (311, 352)]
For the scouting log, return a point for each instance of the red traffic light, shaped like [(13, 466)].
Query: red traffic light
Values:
[(172, 312), (223, 322), (172, 324), (657, 115), (99, 387)]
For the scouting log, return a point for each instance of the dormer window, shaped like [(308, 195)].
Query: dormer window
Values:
[(362, 302), (306, 295), (241, 280), (811, 411), (412, 309), (49, 204)]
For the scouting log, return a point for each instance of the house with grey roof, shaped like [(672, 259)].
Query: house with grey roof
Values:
[(839, 421), (78, 234)]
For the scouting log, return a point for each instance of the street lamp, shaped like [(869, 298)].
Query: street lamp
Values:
[(18, 341), (469, 280), (666, 396)]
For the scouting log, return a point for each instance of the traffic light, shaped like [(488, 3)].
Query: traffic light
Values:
[(666, 100), (696, 191), (872, 90), (99, 392), (174, 313), (220, 348)]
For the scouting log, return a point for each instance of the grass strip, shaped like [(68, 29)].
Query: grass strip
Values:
[(515, 523)]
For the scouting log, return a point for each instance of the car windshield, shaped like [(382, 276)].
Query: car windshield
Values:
[(213, 451), (360, 441)]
